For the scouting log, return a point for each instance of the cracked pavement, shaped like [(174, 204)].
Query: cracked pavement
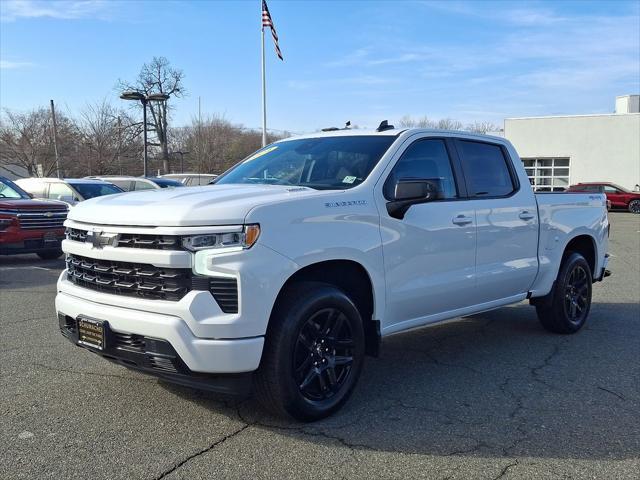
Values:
[(488, 396)]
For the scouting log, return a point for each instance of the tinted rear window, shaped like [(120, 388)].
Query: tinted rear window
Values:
[(166, 182), (485, 169)]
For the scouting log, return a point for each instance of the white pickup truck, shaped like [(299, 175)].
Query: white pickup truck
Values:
[(291, 268)]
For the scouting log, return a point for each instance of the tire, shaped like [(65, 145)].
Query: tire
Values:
[(50, 254), (634, 206), (567, 307), (313, 354)]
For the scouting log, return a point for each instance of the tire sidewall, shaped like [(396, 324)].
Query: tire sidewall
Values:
[(634, 202), (571, 262), (317, 297)]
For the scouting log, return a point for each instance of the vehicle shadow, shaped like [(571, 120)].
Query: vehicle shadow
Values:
[(494, 384)]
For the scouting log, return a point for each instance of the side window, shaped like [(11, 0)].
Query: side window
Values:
[(125, 185), (485, 168), (610, 189), (143, 185), (425, 160), (59, 190), (37, 189)]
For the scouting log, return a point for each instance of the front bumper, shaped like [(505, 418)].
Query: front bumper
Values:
[(202, 355), (158, 358), (19, 244)]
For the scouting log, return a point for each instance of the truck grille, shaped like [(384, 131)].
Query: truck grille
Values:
[(130, 279), (133, 240), (40, 219), (148, 281)]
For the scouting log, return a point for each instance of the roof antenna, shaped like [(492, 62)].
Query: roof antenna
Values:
[(384, 125), (347, 125)]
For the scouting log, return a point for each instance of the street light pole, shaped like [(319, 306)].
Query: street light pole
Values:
[(144, 99), (144, 129)]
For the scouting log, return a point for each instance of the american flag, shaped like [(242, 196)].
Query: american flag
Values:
[(267, 22)]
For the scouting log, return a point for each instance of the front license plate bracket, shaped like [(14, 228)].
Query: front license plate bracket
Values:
[(92, 332)]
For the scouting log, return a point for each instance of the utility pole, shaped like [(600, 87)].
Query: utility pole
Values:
[(119, 126), (199, 144), (55, 138)]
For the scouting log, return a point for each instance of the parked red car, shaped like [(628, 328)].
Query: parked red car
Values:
[(28, 225), (618, 196)]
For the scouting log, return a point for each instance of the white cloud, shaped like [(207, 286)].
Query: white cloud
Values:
[(59, 9), (9, 65)]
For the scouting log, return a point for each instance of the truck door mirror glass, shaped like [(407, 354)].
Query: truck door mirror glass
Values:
[(67, 198), (407, 192)]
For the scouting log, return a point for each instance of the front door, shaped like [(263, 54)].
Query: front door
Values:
[(429, 255)]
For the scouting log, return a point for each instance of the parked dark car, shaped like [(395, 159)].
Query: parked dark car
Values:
[(619, 196), (28, 225)]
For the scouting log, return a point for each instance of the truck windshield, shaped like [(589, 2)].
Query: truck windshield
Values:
[(11, 190), (320, 163)]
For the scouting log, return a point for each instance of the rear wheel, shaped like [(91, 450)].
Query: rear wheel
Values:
[(634, 206), (50, 254), (567, 307), (313, 353)]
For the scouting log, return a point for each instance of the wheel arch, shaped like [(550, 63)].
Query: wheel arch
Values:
[(586, 246), (352, 278)]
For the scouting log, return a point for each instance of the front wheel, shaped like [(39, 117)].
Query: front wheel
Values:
[(634, 206), (313, 353), (570, 300)]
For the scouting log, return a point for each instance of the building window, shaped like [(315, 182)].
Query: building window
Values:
[(547, 174)]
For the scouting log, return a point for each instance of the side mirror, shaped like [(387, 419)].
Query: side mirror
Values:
[(407, 192), (67, 198)]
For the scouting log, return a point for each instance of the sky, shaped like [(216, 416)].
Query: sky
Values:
[(363, 61)]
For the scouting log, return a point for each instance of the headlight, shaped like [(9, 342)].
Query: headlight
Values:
[(244, 239), (5, 223)]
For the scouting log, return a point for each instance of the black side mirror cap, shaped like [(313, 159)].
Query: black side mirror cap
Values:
[(407, 192)]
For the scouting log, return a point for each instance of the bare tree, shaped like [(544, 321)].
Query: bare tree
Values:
[(482, 127), (26, 140), (158, 76), (215, 144), (109, 137), (447, 124), (408, 121)]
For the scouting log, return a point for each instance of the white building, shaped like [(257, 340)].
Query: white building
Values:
[(559, 151)]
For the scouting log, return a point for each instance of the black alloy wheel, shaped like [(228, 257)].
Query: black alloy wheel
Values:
[(566, 308), (313, 352), (323, 355), (576, 299)]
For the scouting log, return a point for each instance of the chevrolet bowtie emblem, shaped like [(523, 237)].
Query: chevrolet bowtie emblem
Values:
[(101, 239)]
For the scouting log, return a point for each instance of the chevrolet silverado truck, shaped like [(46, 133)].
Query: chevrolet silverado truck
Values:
[(29, 226), (282, 275)]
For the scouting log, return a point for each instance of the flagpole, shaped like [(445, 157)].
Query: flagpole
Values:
[(264, 96)]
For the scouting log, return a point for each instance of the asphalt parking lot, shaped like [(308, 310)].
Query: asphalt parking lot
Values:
[(490, 396)]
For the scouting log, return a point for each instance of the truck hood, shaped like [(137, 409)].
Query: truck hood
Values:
[(29, 204), (191, 206)]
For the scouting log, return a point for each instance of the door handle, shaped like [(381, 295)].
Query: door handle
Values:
[(462, 220), (526, 215)]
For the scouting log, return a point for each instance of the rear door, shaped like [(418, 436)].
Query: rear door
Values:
[(429, 255), (507, 221)]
